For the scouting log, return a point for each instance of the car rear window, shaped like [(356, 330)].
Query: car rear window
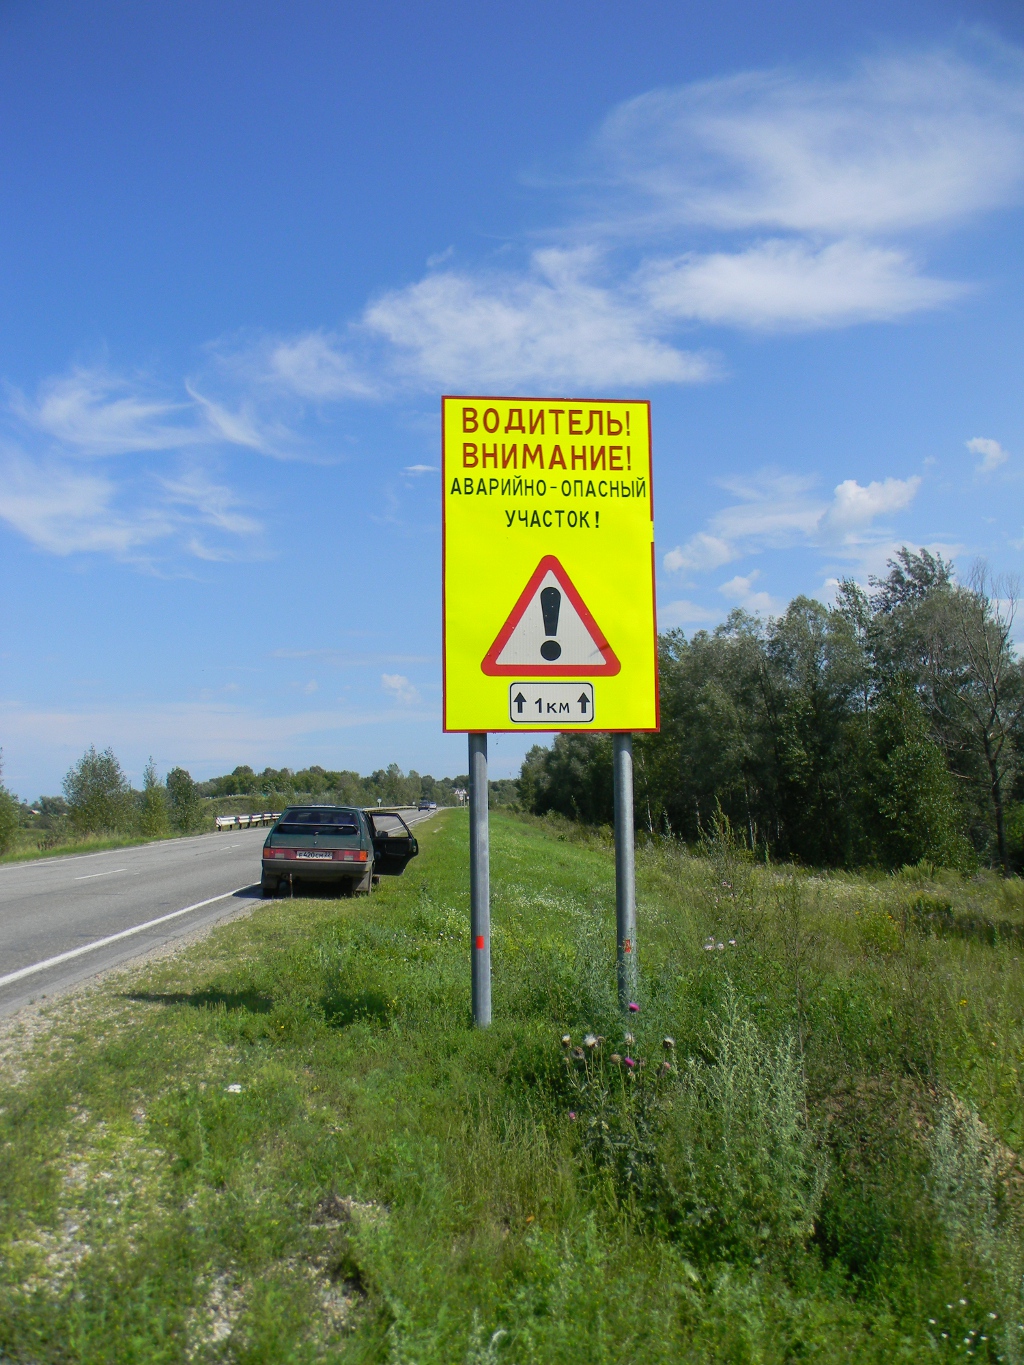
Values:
[(318, 822)]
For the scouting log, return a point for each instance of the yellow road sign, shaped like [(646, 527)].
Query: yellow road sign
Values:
[(549, 614)]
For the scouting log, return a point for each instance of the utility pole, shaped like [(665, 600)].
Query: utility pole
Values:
[(625, 869), (480, 880)]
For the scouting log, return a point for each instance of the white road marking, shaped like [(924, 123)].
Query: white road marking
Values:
[(89, 875), (112, 938)]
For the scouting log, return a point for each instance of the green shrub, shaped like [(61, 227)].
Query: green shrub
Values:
[(153, 806), (185, 801), (8, 816), (99, 796), (743, 1172)]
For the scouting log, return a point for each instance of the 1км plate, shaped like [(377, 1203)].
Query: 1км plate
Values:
[(550, 702)]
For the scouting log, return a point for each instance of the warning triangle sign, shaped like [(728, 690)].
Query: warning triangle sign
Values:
[(550, 633)]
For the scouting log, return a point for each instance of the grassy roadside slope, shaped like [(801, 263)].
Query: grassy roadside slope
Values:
[(287, 1144)]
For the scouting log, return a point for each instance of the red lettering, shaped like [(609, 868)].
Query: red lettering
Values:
[(517, 425), (469, 460), (486, 455), (510, 458), (537, 422), (469, 422), (614, 426), (581, 458), (491, 412), (597, 461), (614, 461), (533, 456), (575, 421), (557, 460), (556, 413)]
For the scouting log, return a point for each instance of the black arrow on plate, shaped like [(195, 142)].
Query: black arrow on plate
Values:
[(584, 702), (520, 702)]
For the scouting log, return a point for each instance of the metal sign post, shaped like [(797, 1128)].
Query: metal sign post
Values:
[(480, 880), (625, 869)]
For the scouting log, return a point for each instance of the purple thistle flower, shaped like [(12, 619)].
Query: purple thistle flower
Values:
[(572, 1113), (633, 1007), (629, 1062)]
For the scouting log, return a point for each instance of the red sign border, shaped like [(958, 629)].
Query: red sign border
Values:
[(523, 729), (490, 665)]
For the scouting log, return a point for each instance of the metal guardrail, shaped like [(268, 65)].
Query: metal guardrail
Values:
[(268, 817), (246, 821)]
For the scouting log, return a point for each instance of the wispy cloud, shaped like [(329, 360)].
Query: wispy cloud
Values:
[(144, 494), (900, 142), (684, 613), (784, 283), (992, 453), (65, 511), (776, 511)]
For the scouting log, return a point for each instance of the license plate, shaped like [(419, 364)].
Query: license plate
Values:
[(326, 856)]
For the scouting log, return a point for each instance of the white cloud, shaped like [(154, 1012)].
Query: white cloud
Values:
[(400, 688), (684, 613), (854, 507), (992, 453), (554, 324), (740, 590), (776, 511), (316, 366), (902, 142), (64, 511), (421, 469), (792, 283), (700, 552)]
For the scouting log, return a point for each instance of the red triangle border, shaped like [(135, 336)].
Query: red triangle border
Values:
[(490, 665)]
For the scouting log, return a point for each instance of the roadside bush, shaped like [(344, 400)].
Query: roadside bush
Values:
[(185, 801), (99, 796), (744, 1174), (153, 820), (8, 816)]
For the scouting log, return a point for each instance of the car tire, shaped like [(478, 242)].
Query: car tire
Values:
[(268, 888)]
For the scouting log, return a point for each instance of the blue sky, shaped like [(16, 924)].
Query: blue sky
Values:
[(245, 247)]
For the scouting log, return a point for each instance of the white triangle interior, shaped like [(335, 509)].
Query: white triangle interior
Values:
[(577, 646)]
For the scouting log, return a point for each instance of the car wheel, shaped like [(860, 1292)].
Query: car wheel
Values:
[(268, 888)]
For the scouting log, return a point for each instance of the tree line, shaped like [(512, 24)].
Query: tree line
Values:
[(98, 798), (880, 731)]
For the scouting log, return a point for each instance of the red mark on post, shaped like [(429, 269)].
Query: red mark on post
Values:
[(627, 945), (479, 940)]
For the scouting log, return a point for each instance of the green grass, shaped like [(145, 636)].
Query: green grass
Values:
[(825, 1171), (28, 846)]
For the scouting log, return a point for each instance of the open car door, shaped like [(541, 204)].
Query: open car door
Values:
[(393, 842)]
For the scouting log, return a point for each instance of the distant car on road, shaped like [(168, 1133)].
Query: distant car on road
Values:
[(343, 845), (427, 805)]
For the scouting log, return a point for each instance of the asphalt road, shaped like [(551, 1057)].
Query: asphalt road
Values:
[(63, 907)]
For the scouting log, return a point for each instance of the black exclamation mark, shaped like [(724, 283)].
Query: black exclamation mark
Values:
[(629, 458), (550, 602)]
